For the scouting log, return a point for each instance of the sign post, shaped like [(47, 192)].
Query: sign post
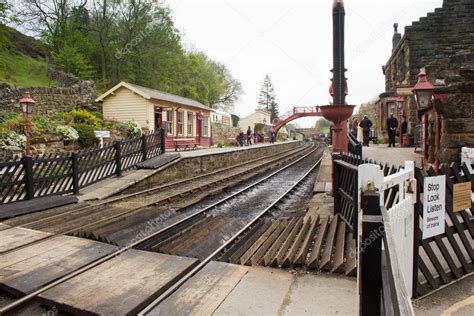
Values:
[(434, 203), (101, 135)]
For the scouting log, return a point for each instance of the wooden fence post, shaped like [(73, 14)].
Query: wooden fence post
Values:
[(75, 173), (29, 186), (144, 147), (370, 255), (118, 159), (163, 135), (416, 230)]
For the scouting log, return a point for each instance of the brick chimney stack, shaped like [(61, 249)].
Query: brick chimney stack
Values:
[(396, 36)]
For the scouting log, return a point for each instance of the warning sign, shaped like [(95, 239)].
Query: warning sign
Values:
[(461, 196), (434, 202)]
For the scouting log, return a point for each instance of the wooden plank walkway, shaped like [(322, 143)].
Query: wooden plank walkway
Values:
[(15, 237), (316, 243), (26, 269), (121, 286), (203, 293), (35, 205), (3, 226)]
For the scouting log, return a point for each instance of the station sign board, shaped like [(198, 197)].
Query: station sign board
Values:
[(461, 196), (434, 203)]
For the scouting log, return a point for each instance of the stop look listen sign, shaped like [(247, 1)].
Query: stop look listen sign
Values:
[(434, 203)]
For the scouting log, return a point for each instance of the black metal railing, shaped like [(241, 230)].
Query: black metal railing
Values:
[(355, 147), (33, 177), (345, 179), (382, 289)]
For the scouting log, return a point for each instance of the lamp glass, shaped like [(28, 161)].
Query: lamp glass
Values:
[(29, 108), (423, 98)]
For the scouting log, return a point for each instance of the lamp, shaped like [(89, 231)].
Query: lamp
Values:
[(424, 91), (27, 105)]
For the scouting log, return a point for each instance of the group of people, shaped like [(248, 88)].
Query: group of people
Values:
[(392, 127), (251, 137), (362, 129)]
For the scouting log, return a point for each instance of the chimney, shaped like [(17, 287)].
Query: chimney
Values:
[(396, 36)]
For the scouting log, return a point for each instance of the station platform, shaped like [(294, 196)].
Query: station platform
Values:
[(391, 155), (111, 186)]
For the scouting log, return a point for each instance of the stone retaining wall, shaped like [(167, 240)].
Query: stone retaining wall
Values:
[(223, 135), (193, 166), (72, 93)]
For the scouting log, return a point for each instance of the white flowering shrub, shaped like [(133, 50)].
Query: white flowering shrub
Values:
[(68, 132), (134, 130), (10, 138)]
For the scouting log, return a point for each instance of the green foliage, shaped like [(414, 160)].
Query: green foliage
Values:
[(235, 120), (23, 71), (86, 135), (14, 123), (70, 60), (80, 116), (68, 132), (9, 115), (135, 41), (11, 138), (133, 129)]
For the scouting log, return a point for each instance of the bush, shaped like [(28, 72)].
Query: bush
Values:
[(9, 115), (68, 132), (99, 115), (63, 117), (14, 123), (86, 135), (134, 130), (84, 117), (10, 138)]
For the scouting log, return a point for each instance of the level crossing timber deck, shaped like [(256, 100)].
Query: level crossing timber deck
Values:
[(26, 269), (15, 237), (3, 226), (120, 286)]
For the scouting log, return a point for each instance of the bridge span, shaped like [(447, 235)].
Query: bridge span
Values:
[(296, 113)]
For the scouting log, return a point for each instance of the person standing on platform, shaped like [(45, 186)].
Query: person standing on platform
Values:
[(366, 124), (272, 136), (404, 125), (249, 136), (392, 125)]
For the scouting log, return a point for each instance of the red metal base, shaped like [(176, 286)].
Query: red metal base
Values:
[(338, 114)]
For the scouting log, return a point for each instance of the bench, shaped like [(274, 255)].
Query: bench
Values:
[(184, 143)]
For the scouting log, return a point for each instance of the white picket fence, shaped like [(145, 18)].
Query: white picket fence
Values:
[(401, 212)]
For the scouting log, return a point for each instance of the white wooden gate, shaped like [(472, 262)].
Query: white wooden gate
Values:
[(401, 211)]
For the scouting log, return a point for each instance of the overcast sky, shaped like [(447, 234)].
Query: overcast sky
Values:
[(292, 42)]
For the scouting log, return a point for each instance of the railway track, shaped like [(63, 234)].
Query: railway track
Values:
[(305, 165), (77, 219)]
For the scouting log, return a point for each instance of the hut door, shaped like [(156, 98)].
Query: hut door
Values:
[(158, 118)]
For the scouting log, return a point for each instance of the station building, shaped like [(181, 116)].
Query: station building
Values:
[(443, 44), (151, 109)]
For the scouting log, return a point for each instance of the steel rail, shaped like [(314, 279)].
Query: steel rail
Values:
[(204, 262), (119, 199), (93, 264), (104, 220)]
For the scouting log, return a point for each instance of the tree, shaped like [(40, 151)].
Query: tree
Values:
[(267, 94), (137, 41), (323, 125), (266, 99)]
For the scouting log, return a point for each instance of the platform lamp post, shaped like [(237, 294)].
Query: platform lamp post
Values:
[(424, 92), (26, 105)]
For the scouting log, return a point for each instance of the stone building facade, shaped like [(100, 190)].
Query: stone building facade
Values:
[(441, 42)]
